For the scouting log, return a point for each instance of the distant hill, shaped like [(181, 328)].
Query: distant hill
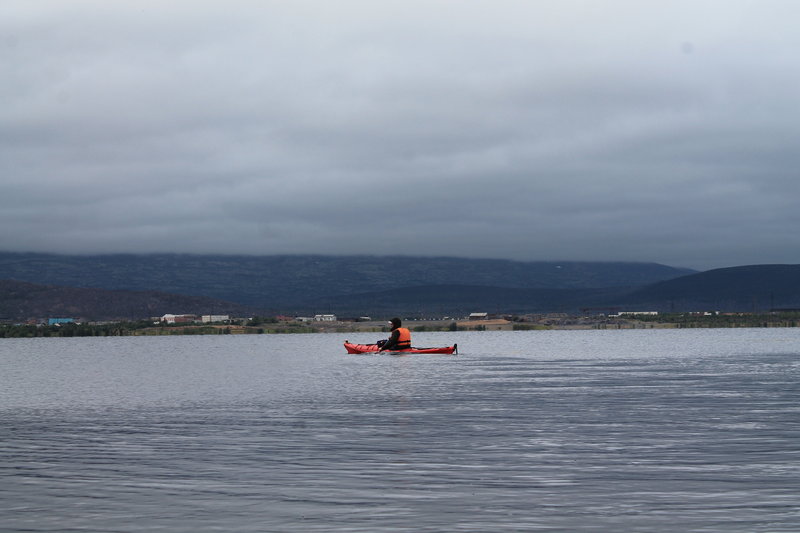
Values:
[(315, 285), (745, 288), (460, 300), (21, 300), (291, 282)]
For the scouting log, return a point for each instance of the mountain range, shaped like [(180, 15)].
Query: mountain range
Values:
[(373, 285), (20, 300), (299, 281), (755, 288)]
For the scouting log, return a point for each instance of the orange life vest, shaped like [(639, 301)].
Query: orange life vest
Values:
[(404, 340)]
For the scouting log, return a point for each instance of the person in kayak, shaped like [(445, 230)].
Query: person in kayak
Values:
[(400, 339)]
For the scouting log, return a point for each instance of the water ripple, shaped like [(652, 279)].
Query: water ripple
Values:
[(566, 431)]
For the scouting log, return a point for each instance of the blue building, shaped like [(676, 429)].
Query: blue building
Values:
[(53, 321)]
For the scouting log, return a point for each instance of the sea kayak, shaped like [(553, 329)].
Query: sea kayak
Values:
[(373, 348)]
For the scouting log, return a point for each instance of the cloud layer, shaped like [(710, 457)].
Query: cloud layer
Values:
[(570, 130)]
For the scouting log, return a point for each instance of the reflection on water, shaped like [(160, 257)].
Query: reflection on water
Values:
[(573, 431)]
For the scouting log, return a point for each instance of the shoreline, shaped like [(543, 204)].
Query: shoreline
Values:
[(144, 328)]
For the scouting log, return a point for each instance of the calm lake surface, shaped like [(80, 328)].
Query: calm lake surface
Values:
[(654, 430)]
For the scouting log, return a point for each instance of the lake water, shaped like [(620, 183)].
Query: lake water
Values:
[(648, 431)]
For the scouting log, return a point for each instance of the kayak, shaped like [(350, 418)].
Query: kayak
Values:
[(373, 348)]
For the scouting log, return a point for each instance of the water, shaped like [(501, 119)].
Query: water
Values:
[(657, 430)]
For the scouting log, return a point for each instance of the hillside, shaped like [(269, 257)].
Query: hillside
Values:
[(460, 300), (21, 300), (288, 282), (745, 288), (751, 288)]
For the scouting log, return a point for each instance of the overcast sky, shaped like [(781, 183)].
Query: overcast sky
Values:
[(657, 131)]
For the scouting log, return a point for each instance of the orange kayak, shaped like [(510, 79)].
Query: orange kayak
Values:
[(373, 348)]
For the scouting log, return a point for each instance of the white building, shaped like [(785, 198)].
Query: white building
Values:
[(325, 318), (178, 319), (215, 318)]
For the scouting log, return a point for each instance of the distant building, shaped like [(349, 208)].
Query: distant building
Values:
[(215, 318), (55, 321), (179, 319), (479, 316), (325, 318)]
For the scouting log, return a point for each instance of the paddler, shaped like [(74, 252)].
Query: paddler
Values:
[(400, 339)]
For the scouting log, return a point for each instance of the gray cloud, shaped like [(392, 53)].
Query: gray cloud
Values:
[(537, 131)]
